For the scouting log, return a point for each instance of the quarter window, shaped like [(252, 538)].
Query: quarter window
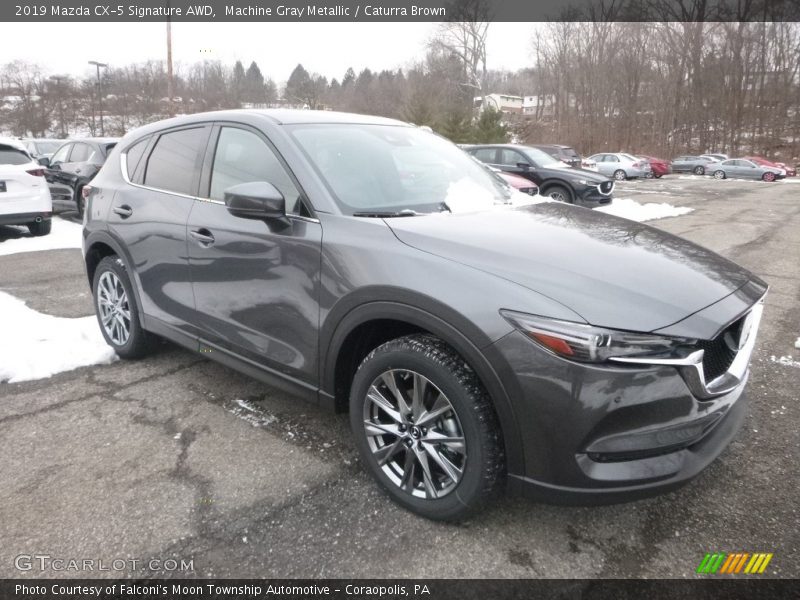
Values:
[(243, 157), (80, 153), (172, 165)]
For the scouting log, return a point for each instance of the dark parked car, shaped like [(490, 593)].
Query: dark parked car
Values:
[(554, 178), (691, 164), (74, 165), (565, 154), (374, 268)]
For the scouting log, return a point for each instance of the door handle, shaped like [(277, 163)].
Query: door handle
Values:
[(203, 236), (123, 211)]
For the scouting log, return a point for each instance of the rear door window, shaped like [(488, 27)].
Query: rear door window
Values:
[(61, 155), (173, 165), (13, 156)]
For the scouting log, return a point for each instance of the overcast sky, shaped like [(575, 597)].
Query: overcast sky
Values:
[(323, 48)]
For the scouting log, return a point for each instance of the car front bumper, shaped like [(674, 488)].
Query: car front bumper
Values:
[(600, 434), (595, 195)]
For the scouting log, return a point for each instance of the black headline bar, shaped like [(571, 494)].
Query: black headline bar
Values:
[(436, 589), (398, 10)]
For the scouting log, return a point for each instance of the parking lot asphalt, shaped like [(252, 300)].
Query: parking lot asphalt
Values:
[(177, 457)]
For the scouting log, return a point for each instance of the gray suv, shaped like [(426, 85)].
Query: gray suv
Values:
[(479, 338)]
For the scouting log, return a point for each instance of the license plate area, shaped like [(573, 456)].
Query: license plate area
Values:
[(2, 186)]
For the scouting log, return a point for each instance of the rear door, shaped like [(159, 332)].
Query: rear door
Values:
[(256, 282), (150, 216), (57, 178)]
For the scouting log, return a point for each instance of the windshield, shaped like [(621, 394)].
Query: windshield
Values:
[(47, 147), (540, 158), (389, 169)]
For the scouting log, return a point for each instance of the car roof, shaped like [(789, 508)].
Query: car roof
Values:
[(7, 141), (96, 140)]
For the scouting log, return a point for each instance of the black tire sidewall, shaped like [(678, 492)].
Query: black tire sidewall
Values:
[(137, 340), (41, 228), (467, 494), (564, 191)]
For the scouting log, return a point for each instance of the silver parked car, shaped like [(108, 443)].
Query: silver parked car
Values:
[(621, 166), (741, 168)]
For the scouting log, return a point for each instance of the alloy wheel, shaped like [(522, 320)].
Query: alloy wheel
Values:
[(414, 434), (620, 175), (115, 312), (769, 176), (699, 171), (558, 196), (719, 175)]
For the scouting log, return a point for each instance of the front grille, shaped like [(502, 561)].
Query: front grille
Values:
[(720, 352), (606, 187)]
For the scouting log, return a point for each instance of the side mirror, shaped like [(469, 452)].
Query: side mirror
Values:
[(256, 200), (524, 166), (44, 161)]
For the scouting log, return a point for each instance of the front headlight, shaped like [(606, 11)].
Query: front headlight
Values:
[(586, 343), (581, 181)]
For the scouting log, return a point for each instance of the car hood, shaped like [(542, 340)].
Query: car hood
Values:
[(572, 173), (613, 272)]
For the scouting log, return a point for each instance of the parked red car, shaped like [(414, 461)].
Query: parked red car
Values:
[(526, 186), (763, 162), (659, 166)]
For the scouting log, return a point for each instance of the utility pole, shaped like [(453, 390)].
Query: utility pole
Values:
[(170, 89), (100, 93)]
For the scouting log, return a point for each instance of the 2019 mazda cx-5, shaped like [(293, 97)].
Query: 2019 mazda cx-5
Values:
[(477, 336)]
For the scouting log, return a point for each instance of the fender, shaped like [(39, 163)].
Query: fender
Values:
[(104, 236), (442, 321)]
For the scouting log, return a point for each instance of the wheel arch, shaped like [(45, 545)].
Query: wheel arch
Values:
[(555, 182), (364, 326)]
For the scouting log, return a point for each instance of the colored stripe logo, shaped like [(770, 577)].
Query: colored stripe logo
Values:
[(734, 563)]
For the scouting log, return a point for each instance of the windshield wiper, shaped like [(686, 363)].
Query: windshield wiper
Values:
[(377, 214)]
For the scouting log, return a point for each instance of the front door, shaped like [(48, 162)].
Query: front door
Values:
[(256, 282)]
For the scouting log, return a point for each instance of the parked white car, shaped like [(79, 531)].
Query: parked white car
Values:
[(24, 194), (621, 166)]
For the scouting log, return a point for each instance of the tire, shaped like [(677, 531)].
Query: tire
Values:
[(768, 176), (111, 287), (41, 228), (559, 193), (658, 176), (650, 175), (620, 175), (469, 469), (719, 175), (698, 170)]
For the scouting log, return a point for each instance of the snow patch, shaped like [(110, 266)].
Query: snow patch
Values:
[(786, 361), (630, 209), (36, 345), (251, 413), (64, 234)]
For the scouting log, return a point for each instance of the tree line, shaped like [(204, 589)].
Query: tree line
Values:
[(662, 88)]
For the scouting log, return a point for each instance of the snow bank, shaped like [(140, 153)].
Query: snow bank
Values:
[(36, 345), (630, 209), (64, 234), (787, 361)]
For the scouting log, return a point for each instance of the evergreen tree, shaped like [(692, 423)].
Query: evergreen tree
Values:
[(489, 128)]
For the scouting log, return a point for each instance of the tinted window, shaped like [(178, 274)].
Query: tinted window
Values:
[(134, 155), (172, 165), (61, 155), (12, 156), (242, 157), (80, 153), (511, 157), (486, 155)]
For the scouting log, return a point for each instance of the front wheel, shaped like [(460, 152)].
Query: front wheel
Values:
[(768, 176), (559, 193), (699, 171), (620, 175), (426, 429), (719, 174), (116, 310)]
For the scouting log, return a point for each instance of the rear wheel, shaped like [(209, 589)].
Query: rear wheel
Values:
[(768, 176), (41, 228), (559, 193), (117, 313), (719, 174), (657, 175), (426, 429), (699, 170), (620, 175)]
